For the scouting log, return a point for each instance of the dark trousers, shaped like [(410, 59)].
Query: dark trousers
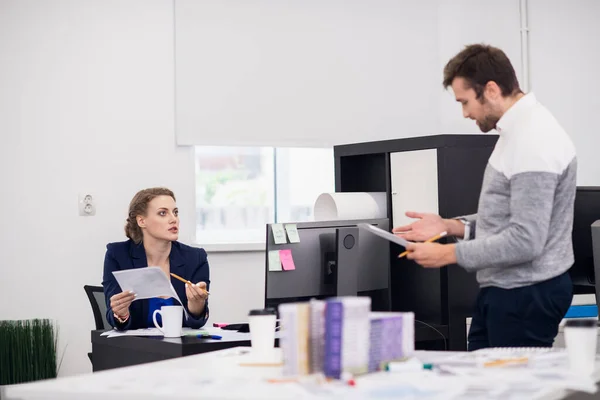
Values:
[(522, 317)]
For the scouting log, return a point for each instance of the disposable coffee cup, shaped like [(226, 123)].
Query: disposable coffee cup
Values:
[(581, 336), (262, 331)]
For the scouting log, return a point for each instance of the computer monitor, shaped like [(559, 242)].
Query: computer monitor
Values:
[(333, 258), (586, 212)]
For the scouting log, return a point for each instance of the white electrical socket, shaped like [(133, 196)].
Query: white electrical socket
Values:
[(87, 205)]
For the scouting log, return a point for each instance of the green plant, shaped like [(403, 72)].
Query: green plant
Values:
[(27, 351), (216, 180)]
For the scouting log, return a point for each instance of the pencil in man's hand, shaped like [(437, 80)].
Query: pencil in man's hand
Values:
[(433, 239)]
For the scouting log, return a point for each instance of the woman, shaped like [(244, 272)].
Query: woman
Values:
[(153, 229)]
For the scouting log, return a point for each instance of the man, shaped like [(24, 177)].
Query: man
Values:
[(519, 242)]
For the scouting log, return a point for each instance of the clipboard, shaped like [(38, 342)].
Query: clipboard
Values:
[(384, 234)]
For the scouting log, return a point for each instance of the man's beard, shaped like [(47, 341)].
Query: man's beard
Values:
[(489, 122)]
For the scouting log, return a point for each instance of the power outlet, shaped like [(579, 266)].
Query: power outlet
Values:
[(87, 205)]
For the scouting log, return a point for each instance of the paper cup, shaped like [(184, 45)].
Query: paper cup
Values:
[(262, 331), (581, 337)]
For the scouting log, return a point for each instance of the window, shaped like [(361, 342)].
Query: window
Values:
[(240, 189)]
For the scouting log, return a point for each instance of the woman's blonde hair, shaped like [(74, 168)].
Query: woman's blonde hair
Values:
[(139, 206)]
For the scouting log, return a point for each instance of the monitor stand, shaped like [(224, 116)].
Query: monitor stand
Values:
[(347, 261)]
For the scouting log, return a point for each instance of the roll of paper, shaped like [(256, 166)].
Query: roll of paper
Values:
[(351, 205)]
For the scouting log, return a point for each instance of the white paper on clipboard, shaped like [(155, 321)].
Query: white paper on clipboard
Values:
[(385, 234)]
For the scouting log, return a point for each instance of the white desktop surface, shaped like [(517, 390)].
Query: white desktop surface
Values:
[(215, 375)]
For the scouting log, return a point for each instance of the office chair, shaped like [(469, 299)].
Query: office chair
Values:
[(95, 295)]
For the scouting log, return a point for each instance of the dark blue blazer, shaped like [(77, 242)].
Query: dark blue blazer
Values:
[(188, 262)]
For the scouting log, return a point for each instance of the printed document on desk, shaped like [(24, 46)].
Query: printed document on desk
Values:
[(151, 332), (147, 283), (134, 332), (384, 234)]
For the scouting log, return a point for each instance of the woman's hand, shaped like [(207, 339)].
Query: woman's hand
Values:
[(196, 295), (120, 303)]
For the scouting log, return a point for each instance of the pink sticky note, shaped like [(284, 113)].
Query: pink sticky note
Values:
[(287, 262)]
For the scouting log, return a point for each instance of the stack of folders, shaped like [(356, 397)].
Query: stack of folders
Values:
[(392, 338), (346, 336), (341, 335), (325, 336), (317, 335)]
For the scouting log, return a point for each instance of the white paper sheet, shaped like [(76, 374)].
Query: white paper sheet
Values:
[(224, 333), (385, 234), (134, 332), (151, 332), (147, 283)]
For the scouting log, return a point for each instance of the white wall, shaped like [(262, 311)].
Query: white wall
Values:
[(463, 22), (306, 72), (87, 104), (565, 55)]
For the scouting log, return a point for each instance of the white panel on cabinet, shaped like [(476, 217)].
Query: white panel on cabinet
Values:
[(414, 178)]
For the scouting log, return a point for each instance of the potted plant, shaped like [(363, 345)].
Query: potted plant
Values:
[(27, 351)]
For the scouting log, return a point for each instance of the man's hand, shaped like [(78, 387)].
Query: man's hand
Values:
[(196, 295), (432, 255), (426, 227)]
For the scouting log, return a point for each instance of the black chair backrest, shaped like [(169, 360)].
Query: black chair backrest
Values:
[(95, 295)]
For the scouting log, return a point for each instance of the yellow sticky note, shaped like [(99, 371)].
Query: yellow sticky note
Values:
[(274, 261), (292, 232)]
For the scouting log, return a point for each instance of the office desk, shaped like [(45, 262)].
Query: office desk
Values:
[(117, 352), (124, 351), (222, 375)]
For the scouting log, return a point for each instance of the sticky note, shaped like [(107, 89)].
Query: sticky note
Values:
[(279, 234), (287, 262), (292, 232), (274, 261)]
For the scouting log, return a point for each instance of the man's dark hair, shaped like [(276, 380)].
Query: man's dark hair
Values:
[(478, 64)]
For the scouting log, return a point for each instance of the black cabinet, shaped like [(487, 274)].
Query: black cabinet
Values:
[(441, 174)]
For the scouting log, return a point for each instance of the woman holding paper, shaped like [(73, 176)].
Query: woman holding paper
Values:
[(153, 229)]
